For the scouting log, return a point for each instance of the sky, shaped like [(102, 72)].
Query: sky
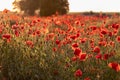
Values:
[(79, 5)]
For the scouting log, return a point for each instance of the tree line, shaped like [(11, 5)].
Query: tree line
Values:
[(45, 7)]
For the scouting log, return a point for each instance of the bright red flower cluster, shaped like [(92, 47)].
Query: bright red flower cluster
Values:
[(7, 37), (115, 66), (78, 73)]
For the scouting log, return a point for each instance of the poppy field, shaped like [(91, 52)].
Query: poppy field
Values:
[(68, 47)]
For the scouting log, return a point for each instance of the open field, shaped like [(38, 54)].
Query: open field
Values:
[(69, 47)]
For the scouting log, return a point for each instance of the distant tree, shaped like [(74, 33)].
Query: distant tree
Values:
[(27, 6), (46, 7), (49, 7)]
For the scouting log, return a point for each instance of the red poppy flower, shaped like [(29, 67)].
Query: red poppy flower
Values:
[(51, 35), (77, 51), (74, 58), (93, 27), (114, 66), (110, 34), (34, 21), (16, 33), (83, 40), (118, 38), (7, 37), (96, 49), (74, 45), (87, 78), (106, 56), (57, 42), (77, 22), (39, 20), (98, 56), (111, 43), (78, 35), (29, 43), (78, 73), (115, 32), (104, 31), (54, 49), (37, 32), (112, 53), (0, 30), (6, 11), (15, 26), (58, 22), (115, 26), (82, 56), (73, 37), (102, 43)]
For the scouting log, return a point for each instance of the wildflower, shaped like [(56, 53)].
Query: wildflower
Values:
[(77, 22), (54, 49), (34, 21), (82, 56), (104, 31), (98, 56), (74, 58), (0, 30), (50, 36), (77, 51), (57, 42), (118, 38), (111, 43), (93, 27), (82, 24), (106, 56), (96, 49), (38, 32), (102, 43), (112, 53), (38, 20), (73, 37), (74, 45), (90, 55), (6, 11), (115, 66), (15, 26), (78, 73), (87, 78), (7, 37), (16, 33), (110, 34), (78, 35), (44, 31), (29, 43), (115, 26), (58, 23), (83, 40)]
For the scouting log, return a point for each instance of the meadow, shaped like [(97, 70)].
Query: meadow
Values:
[(68, 47)]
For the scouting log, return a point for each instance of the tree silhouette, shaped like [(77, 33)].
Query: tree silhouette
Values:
[(49, 7), (28, 6), (46, 7)]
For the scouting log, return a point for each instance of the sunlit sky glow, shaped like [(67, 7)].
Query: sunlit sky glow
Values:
[(80, 5)]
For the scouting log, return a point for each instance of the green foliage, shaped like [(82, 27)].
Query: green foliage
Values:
[(27, 6), (46, 7), (49, 7)]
